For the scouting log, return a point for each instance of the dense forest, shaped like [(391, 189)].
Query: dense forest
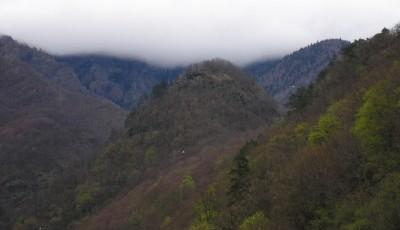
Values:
[(333, 163)]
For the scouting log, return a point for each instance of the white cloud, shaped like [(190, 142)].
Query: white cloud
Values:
[(170, 32)]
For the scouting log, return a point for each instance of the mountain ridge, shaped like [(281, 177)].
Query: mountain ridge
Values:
[(122, 81), (282, 77)]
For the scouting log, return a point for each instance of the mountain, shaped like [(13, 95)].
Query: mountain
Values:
[(171, 145), (50, 127), (282, 77), (43, 63), (125, 81), (207, 150), (333, 163), (122, 81)]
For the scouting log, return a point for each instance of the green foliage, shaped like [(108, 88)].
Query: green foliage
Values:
[(188, 183), (360, 224), (328, 124), (384, 210), (202, 226), (150, 156), (301, 130), (84, 201), (85, 197), (255, 222), (206, 208), (375, 116), (378, 211), (377, 127), (188, 186)]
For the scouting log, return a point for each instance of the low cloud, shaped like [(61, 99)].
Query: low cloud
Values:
[(178, 32)]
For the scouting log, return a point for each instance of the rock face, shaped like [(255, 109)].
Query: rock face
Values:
[(283, 77), (122, 81), (50, 126)]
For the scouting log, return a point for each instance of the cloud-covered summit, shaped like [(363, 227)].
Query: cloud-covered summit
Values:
[(173, 32)]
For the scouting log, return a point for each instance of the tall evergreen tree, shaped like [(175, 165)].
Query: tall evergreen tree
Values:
[(239, 173)]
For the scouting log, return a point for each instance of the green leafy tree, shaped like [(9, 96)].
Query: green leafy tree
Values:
[(257, 221), (206, 208), (328, 124), (188, 186), (381, 211), (86, 197), (378, 128)]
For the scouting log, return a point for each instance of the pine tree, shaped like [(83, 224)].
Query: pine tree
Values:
[(239, 173)]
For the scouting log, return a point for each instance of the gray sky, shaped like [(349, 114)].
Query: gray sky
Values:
[(170, 32)]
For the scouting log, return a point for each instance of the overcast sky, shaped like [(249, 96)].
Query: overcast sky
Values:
[(170, 32)]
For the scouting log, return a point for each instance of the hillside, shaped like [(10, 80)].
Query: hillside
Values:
[(49, 128), (166, 156), (123, 81), (332, 164), (282, 77), (43, 63)]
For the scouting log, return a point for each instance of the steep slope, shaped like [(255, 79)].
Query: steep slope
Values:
[(332, 164), (49, 128), (172, 145), (282, 77), (123, 81)]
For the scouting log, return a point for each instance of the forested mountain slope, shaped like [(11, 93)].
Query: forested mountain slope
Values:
[(334, 163), (43, 63), (49, 128), (171, 146), (282, 77), (123, 81)]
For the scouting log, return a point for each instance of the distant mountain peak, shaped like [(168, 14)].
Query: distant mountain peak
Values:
[(281, 78), (215, 69), (6, 38), (122, 81)]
